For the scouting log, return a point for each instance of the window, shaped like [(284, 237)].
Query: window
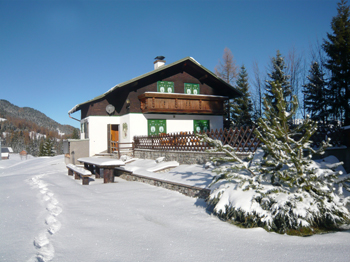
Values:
[(201, 125), (85, 130), (156, 126), (191, 88), (165, 87)]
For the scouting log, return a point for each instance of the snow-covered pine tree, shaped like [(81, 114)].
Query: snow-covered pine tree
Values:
[(315, 100), (278, 75), (46, 148), (280, 190), (49, 147), (284, 146), (242, 107)]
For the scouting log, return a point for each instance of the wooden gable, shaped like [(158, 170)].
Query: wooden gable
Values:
[(127, 97)]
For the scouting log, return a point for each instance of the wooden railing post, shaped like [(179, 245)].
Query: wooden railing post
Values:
[(117, 144)]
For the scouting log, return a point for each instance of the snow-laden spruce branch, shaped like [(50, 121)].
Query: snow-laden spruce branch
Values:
[(279, 188)]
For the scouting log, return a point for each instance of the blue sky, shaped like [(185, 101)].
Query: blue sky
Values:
[(56, 54)]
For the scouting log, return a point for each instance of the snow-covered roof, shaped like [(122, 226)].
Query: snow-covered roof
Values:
[(6, 150)]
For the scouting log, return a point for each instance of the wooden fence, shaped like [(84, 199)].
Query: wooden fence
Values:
[(117, 147), (242, 139)]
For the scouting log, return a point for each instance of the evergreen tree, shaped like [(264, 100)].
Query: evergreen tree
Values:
[(315, 94), (242, 107), (284, 146), (75, 134), (337, 48), (48, 147), (41, 148), (280, 189), (278, 76)]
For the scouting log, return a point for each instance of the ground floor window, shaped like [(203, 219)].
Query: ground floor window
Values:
[(156, 126), (85, 129), (201, 125)]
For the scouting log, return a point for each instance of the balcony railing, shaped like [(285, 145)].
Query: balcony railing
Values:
[(152, 102)]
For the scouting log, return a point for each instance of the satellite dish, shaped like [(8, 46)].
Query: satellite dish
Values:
[(110, 109)]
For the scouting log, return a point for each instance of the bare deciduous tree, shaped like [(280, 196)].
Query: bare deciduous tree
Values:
[(258, 90), (227, 69), (295, 67)]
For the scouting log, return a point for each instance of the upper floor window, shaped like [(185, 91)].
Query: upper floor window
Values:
[(191, 89), (165, 87)]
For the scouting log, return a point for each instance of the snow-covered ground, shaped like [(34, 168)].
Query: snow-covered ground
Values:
[(45, 215)]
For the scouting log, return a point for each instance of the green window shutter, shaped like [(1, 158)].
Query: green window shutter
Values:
[(195, 89), (188, 88), (162, 126), (156, 126), (165, 87), (201, 125), (152, 130), (191, 88)]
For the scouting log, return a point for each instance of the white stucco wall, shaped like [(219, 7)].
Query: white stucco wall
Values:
[(98, 132), (137, 126), (185, 122), (138, 123), (131, 125)]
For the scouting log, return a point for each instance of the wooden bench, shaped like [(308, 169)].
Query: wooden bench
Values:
[(79, 172)]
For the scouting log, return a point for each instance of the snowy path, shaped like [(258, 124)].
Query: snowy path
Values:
[(130, 221)]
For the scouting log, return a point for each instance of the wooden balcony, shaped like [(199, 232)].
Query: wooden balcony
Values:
[(154, 102)]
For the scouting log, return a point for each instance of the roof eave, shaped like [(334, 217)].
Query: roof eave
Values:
[(164, 67)]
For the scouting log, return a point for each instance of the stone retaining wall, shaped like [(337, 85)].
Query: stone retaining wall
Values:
[(188, 157), (187, 190), (183, 157)]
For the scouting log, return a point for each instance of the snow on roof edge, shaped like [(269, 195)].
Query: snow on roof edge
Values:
[(195, 60)]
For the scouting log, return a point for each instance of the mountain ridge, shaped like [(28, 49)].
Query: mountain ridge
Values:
[(9, 110)]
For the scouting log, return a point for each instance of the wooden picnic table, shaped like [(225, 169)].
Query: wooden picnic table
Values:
[(102, 166)]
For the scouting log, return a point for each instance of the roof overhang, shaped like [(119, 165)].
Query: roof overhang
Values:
[(203, 75)]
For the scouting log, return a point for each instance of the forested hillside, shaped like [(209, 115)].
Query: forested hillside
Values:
[(28, 129), (30, 115)]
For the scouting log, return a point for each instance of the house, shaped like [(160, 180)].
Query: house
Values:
[(181, 96)]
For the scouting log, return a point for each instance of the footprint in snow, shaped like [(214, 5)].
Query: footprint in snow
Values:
[(53, 209), (53, 223), (45, 250)]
